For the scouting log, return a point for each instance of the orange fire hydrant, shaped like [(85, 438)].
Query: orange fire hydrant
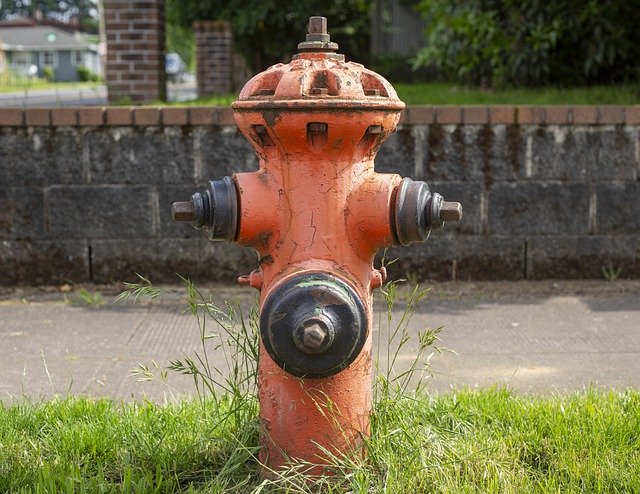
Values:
[(316, 212)]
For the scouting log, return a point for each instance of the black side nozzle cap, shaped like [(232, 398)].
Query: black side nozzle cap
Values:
[(313, 325), (417, 211), (215, 209)]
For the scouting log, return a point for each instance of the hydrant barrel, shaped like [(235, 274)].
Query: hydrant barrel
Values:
[(316, 212)]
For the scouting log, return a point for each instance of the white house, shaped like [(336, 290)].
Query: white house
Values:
[(26, 42)]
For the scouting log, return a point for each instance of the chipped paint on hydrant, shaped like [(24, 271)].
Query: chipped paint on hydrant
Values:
[(316, 212)]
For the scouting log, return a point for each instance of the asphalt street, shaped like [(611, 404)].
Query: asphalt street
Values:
[(84, 96)]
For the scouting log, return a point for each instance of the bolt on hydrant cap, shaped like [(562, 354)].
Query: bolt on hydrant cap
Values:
[(318, 38), (451, 211), (182, 211), (314, 335)]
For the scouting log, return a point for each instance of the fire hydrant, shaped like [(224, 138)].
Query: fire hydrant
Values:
[(316, 212)]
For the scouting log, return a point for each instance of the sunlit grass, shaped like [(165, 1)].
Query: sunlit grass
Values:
[(453, 94), (20, 86), (470, 441)]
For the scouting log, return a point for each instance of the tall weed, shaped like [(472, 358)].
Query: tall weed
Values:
[(228, 393)]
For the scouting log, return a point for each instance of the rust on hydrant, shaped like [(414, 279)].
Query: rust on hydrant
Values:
[(316, 212)]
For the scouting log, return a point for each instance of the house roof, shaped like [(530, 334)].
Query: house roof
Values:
[(68, 27), (34, 38), (20, 21)]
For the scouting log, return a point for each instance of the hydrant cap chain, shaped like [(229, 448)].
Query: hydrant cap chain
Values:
[(313, 325)]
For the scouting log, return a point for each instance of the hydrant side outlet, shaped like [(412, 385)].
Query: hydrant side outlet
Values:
[(215, 209)]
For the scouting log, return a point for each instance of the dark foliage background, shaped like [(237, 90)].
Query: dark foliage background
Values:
[(62, 10), (532, 42), (268, 31)]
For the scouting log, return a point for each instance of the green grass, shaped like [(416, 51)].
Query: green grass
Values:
[(470, 441), (452, 94), (39, 84), (447, 94), (218, 100)]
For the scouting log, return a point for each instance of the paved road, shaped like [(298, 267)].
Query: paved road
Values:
[(538, 337), (81, 96)]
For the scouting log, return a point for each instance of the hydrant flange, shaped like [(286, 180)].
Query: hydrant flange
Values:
[(313, 325)]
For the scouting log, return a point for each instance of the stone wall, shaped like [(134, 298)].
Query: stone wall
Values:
[(548, 192)]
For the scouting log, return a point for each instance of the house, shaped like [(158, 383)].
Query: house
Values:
[(27, 42)]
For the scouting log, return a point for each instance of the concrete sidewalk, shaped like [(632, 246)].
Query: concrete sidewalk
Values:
[(531, 336)]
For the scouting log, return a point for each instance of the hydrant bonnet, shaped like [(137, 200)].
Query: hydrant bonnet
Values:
[(318, 78)]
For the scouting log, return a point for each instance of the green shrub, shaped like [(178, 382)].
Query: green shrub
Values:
[(85, 75), (397, 68), (532, 42), (49, 74)]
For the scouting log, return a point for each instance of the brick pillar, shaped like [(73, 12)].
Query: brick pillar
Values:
[(214, 57), (135, 50)]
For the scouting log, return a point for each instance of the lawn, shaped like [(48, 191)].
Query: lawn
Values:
[(39, 84), (468, 441), (453, 94), (448, 94)]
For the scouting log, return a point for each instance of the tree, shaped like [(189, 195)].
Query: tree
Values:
[(532, 42), (62, 10), (268, 31)]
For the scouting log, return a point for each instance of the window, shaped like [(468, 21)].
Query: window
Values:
[(49, 58), (77, 57), (21, 59)]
